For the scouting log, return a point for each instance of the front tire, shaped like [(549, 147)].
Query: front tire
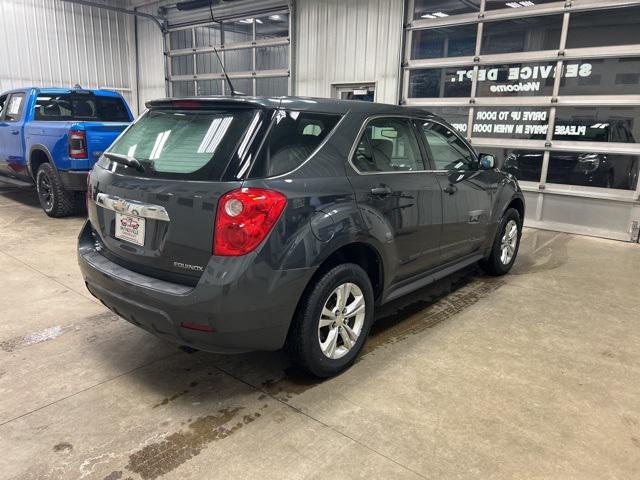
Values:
[(332, 322), (54, 199), (505, 245)]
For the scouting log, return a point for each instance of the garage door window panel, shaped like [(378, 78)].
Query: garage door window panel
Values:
[(598, 29), (522, 35), (590, 169), (455, 41), (613, 76)]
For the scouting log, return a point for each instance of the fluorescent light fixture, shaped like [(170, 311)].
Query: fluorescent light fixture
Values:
[(275, 17), (524, 3), (435, 15)]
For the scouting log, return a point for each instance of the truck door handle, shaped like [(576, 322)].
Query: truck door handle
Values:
[(381, 190), (450, 189), (15, 132)]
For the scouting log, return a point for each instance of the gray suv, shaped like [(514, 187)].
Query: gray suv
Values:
[(243, 223)]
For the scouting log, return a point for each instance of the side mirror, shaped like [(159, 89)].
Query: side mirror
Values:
[(487, 161)]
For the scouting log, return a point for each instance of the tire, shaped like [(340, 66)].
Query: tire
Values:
[(305, 335), (54, 199), (498, 262)]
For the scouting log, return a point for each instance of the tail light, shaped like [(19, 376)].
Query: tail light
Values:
[(244, 218), (78, 144)]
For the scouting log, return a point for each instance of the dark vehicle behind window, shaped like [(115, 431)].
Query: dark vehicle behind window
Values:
[(81, 107)]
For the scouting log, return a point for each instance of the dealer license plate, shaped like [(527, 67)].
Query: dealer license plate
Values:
[(130, 228)]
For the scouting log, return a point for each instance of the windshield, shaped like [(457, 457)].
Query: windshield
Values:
[(185, 142), (82, 107)]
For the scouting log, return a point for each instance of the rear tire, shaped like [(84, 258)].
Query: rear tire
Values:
[(54, 199), (332, 321), (505, 245)]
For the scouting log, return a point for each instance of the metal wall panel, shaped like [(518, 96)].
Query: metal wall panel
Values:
[(339, 41), (151, 81), (55, 43)]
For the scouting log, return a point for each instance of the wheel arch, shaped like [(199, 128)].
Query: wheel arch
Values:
[(39, 154)]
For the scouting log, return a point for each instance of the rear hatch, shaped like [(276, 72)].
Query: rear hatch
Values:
[(155, 204)]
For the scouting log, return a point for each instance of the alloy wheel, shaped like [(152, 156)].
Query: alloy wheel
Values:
[(45, 190), (509, 242), (341, 320)]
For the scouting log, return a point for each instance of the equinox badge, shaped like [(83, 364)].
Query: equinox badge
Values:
[(186, 266)]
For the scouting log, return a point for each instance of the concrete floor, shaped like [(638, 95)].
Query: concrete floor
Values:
[(532, 375)]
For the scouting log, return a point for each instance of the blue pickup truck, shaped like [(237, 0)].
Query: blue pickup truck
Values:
[(53, 136)]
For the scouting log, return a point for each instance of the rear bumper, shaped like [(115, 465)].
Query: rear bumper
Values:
[(247, 305), (73, 180)]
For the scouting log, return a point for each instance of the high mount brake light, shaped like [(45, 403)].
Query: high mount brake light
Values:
[(78, 144), (186, 104), (244, 218)]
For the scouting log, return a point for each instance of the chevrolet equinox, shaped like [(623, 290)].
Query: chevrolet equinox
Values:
[(232, 224)]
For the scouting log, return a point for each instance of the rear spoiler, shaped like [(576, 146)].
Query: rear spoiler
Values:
[(203, 103)]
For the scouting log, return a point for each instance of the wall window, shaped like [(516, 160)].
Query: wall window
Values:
[(613, 76), (439, 82), (594, 170), (523, 164), (522, 35), (515, 79), (458, 117), (598, 124), (430, 9), (444, 42), (247, 46), (513, 4), (511, 122), (598, 29)]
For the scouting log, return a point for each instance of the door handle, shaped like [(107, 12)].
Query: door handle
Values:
[(450, 189), (15, 132), (381, 190)]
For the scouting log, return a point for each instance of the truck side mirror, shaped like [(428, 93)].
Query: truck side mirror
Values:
[(487, 161)]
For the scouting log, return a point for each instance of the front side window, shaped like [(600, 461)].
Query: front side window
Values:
[(198, 143), (81, 107), (448, 151), (388, 145), (293, 138), (14, 107)]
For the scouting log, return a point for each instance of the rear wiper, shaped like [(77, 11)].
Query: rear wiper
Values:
[(125, 160)]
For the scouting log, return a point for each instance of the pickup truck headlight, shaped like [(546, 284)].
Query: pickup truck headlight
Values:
[(588, 162)]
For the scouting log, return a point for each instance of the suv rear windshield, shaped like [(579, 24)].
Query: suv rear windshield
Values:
[(292, 139), (194, 143), (81, 107)]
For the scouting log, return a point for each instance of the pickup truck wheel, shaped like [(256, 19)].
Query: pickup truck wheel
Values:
[(332, 321), (54, 199), (505, 245)]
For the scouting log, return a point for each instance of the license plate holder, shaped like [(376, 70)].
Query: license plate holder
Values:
[(130, 228)]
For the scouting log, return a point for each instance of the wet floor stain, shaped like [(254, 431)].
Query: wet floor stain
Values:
[(175, 396), (161, 457), (542, 254), (115, 475), (51, 333), (63, 447), (401, 319)]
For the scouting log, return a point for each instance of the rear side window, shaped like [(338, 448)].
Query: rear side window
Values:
[(3, 101), (15, 107), (185, 142), (81, 107), (292, 139)]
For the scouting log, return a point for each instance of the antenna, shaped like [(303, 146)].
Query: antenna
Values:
[(233, 90)]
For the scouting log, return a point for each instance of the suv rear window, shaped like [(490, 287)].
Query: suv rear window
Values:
[(292, 139), (197, 143), (81, 107)]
